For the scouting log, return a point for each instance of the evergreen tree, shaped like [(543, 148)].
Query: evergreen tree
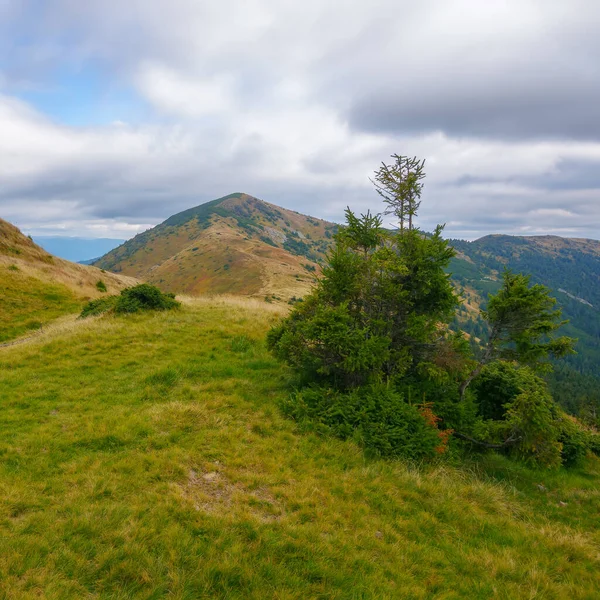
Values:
[(522, 321), (400, 185)]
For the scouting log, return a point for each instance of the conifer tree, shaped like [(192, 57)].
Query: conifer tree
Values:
[(522, 322), (400, 185)]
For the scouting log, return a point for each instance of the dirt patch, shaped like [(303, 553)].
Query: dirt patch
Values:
[(214, 493)]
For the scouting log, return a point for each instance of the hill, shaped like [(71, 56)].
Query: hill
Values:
[(36, 287), (236, 244), (571, 269), (165, 469)]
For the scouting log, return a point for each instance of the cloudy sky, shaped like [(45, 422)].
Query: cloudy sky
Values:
[(116, 114)]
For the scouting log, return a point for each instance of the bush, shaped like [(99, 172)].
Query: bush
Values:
[(376, 417), (100, 286), (576, 441), (97, 307), (144, 297), (134, 299)]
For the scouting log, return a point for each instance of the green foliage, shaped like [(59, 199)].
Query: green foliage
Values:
[(101, 286), (267, 240), (569, 265), (13, 268), (375, 314), (400, 185), (533, 419), (576, 441), (372, 321), (98, 306), (134, 299), (517, 410), (523, 320), (144, 297), (376, 417)]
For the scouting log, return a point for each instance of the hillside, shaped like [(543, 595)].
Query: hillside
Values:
[(571, 269), (165, 469), (36, 287), (236, 244)]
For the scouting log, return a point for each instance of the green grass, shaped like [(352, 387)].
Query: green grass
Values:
[(26, 303), (145, 457)]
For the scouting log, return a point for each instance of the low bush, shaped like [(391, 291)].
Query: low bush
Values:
[(97, 307), (100, 286), (376, 417), (576, 441), (134, 299), (144, 297)]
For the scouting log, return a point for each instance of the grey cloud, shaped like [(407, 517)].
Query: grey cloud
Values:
[(386, 73), (548, 113)]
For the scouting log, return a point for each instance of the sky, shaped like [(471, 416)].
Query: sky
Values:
[(115, 115)]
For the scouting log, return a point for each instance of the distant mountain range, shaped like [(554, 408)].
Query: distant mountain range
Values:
[(77, 249)]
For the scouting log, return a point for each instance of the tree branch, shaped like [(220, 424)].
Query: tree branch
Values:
[(508, 442)]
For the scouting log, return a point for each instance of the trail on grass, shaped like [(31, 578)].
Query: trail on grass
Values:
[(61, 324)]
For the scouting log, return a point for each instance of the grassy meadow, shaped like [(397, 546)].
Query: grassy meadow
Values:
[(146, 457)]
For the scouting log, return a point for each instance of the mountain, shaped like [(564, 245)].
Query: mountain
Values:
[(36, 287), (236, 244), (77, 249), (571, 269)]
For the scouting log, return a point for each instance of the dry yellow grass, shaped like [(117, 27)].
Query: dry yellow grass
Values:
[(238, 245), (32, 261)]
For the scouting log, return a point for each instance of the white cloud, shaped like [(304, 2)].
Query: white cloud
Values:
[(282, 99)]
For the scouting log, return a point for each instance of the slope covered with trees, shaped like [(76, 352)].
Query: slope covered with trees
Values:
[(571, 269)]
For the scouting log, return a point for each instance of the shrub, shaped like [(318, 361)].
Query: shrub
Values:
[(134, 299), (144, 297), (99, 306), (100, 286), (13, 268), (576, 441), (376, 417)]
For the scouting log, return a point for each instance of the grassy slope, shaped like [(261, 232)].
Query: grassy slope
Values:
[(36, 287), (145, 457), (28, 303)]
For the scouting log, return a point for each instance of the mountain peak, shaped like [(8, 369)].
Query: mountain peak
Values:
[(234, 244)]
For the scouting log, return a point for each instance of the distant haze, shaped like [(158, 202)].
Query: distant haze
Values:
[(76, 249)]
